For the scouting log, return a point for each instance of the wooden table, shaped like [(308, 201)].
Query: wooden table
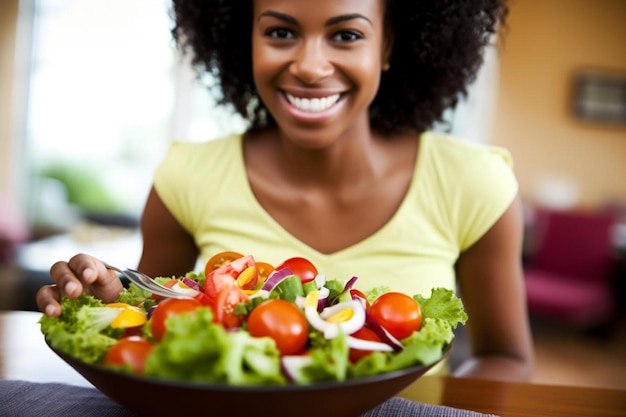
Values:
[(25, 356)]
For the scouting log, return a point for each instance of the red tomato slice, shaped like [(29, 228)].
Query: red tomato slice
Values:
[(301, 267), (225, 303), (203, 299), (226, 275)]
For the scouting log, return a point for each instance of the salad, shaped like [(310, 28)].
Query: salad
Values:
[(243, 322)]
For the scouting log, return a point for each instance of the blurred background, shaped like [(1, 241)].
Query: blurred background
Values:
[(92, 93)]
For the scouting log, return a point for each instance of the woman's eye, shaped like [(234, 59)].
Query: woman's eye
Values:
[(347, 36), (279, 33)]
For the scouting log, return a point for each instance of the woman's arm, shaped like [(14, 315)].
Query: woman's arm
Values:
[(168, 249), (492, 288)]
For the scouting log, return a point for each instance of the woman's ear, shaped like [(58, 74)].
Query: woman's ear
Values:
[(387, 49)]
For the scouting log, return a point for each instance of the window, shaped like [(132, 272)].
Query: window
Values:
[(108, 92)]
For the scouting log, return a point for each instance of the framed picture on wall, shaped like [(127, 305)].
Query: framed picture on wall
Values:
[(600, 96)]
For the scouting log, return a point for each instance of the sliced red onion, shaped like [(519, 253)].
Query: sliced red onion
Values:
[(350, 284), (150, 311), (191, 284), (322, 302), (360, 299), (275, 278), (346, 288), (384, 335), (292, 365)]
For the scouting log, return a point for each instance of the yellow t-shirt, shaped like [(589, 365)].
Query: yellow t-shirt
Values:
[(458, 191)]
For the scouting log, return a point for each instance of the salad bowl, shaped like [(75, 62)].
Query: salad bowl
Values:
[(154, 397)]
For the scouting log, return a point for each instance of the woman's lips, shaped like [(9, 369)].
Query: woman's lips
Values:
[(312, 109)]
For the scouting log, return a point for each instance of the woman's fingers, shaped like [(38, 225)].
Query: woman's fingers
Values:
[(48, 300), (66, 279), (82, 273)]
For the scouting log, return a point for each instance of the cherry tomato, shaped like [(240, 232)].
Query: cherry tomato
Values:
[(132, 351), (226, 275), (168, 308), (364, 333), (225, 303), (283, 322), (264, 270), (354, 292), (221, 259), (301, 267), (398, 313)]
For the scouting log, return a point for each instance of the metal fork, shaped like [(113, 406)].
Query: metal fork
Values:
[(145, 282)]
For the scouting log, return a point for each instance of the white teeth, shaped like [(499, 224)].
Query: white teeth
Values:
[(313, 105)]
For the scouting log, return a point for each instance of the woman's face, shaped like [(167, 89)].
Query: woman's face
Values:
[(317, 64)]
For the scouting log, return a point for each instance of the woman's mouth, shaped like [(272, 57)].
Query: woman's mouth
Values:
[(312, 105)]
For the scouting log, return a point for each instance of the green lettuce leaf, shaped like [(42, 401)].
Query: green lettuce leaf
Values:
[(195, 349), (83, 330)]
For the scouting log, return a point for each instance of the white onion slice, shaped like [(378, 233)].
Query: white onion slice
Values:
[(384, 335), (184, 289), (361, 344), (259, 293), (320, 280), (292, 365)]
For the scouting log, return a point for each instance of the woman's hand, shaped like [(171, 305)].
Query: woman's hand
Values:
[(83, 273)]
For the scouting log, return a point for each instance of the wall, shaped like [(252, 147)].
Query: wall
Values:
[(8, 22), (548, 40)]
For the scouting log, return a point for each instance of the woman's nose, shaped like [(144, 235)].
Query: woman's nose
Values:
[(311, 63)]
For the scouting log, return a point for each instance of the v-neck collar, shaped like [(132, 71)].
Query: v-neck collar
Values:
[(305, 249)]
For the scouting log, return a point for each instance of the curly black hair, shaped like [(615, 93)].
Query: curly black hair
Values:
[(438, 49)]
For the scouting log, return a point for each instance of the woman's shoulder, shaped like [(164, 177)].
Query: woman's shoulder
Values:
[(476, 181), (463, 152), (213, 145), (193, 159), (186, 155), (465, 171)]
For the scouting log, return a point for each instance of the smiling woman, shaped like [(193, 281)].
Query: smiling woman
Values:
[(339, 164)]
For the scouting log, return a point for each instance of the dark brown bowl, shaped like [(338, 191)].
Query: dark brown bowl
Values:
[(154, 397)]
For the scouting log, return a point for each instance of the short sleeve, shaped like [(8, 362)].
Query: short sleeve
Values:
[(488, 188)]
